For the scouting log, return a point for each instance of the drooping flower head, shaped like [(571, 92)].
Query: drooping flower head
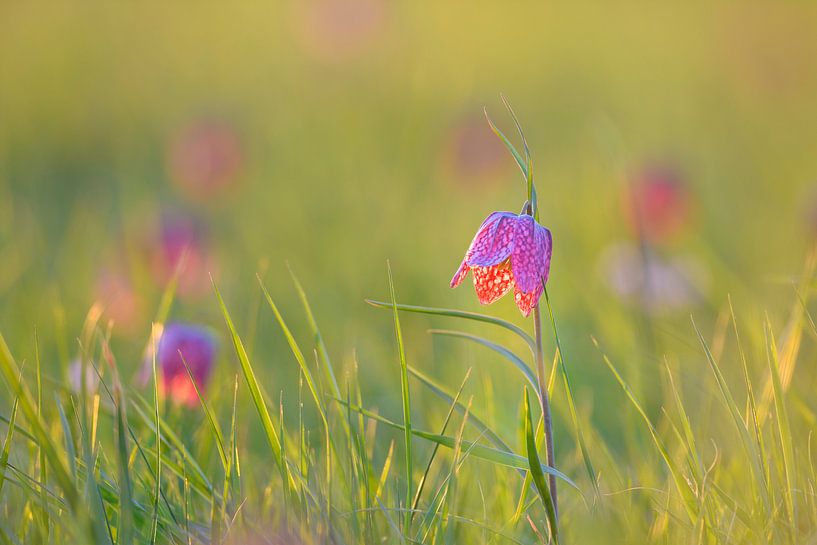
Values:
[(198, 348), (508, 251)]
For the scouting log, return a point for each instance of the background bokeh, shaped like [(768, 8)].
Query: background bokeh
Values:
[(336, 135)]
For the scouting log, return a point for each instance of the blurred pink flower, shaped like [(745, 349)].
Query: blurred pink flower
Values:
[(206, 159), (197, 346), (179, 236), (472, 153), (120, 301), (658, 285), (658, 204), (340, 30), (508, 251)]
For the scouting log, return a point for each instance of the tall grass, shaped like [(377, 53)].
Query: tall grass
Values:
[(112, 466)]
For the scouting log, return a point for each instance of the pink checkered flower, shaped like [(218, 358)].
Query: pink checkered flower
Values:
[(508, 251)]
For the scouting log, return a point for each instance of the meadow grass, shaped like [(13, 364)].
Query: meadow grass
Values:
[(121, 465)]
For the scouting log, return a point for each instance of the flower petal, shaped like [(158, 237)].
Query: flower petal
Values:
[(527, 300), (529, 255), (494, 241), (491, 283), (544, 245), (461, 273)]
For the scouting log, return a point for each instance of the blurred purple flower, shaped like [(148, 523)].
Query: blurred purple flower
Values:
[(197, 346), (658, 204), (206, 159), (179, 236), (657, 285), (509, 250)]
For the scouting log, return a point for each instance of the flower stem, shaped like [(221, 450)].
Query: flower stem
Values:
[(545, 403)]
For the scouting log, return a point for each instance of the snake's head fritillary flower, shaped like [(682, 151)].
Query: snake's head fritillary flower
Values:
[(180, 344), (508, 251)]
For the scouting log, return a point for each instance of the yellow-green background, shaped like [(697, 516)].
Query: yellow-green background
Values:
[(345, 165)]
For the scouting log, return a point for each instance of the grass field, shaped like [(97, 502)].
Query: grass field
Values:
[(283, 191)]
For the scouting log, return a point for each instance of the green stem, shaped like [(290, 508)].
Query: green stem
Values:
[(544, 401)]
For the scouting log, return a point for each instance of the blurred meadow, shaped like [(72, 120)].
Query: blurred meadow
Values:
[(146, 147)]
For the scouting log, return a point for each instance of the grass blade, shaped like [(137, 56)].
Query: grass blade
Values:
[(571, 405), (257, 397), (404, 384), (11, 372), (687, 495), (4, 457), (538, 475), (784, 430), (498, 348), (461, 314), (440, 391), (497, 456)]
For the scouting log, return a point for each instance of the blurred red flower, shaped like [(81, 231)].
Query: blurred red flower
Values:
[(658, 204)]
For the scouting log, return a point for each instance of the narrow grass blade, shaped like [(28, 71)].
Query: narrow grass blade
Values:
[(588, 464), (784, 430), (10, 371), (404, 384), (537, 475), (500, 457), (125, 528), (461, 314), (687, 495), (4, 457), (740, 425), (498, 348), (154, 527), (318, 338), (257, 397), (43, 477), (211, 417), (520, 161), (453, 404), (441, 392), (689, 437)]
